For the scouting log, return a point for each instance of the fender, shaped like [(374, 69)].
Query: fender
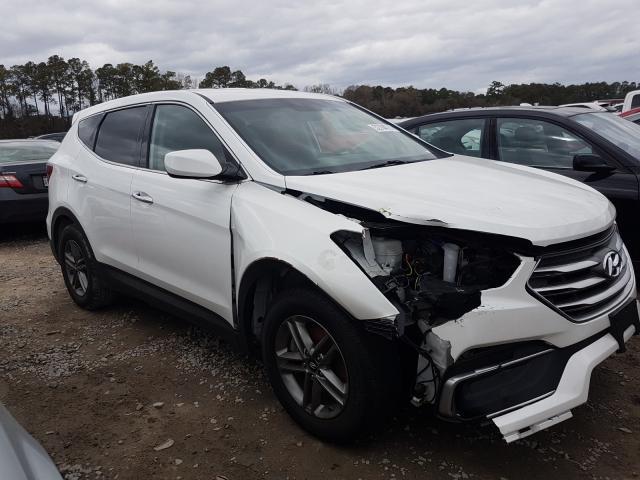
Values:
[(267, 224)]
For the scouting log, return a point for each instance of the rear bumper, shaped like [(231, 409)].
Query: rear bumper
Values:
[(24, 208), (572, 390)]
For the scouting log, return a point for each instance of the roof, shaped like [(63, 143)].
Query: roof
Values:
[(213, 94), (543, 111), (233, 94)]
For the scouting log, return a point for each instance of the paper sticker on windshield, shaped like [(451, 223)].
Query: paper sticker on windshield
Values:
[(381, 127)]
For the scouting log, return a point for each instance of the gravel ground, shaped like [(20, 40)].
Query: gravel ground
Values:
[(132, 393)]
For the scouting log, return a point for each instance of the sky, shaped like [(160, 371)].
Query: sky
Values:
[(457, 44)]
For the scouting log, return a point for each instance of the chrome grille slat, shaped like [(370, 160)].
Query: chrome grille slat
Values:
[(573, 280), (605, 306), (568, 267), (599, 297), (576, 285)]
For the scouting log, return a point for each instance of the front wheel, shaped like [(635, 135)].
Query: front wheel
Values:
[(322, 367)]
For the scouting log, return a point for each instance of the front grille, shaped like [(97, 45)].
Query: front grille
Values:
[(574, 281)]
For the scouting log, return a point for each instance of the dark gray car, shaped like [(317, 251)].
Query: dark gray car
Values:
[(23, 179)]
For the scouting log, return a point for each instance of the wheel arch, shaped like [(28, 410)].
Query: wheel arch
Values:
[(60, 219), (260, 283)]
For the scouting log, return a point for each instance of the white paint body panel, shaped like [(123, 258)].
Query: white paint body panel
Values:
[(267, 224), (102, 202), (510, 314), (472, 194), (182, 239), (573, 390)]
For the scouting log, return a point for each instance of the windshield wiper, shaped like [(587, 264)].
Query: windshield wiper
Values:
[(321, 172), (388, 163)]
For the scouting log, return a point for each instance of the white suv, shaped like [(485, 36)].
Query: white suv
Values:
[(366, 265)]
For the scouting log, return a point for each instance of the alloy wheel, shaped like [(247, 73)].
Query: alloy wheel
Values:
[(312, 367), (75, 265)]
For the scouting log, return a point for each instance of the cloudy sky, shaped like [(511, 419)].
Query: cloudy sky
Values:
[(460, 44)]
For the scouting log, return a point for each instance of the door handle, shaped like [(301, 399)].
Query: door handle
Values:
[(79, 178), (143, 197)]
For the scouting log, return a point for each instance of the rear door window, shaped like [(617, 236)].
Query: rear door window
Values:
[(537, 143), (87, 129), (119, 135), (463, 136)]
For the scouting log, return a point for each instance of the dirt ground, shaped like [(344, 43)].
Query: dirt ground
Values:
[(85, 384)]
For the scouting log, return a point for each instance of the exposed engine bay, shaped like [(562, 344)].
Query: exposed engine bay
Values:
[(432, 278), (432, 275)]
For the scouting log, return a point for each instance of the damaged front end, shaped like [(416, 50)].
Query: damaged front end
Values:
[(432, 275)]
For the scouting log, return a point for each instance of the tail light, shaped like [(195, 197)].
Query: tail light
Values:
[(49, 171), (9, 180)]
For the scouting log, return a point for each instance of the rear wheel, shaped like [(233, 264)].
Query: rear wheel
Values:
[(322, 367), (79, 270)]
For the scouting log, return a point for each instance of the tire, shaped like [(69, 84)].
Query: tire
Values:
[(79, 270), (367, 376)]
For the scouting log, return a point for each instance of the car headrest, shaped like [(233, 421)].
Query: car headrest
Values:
[(527, 134)]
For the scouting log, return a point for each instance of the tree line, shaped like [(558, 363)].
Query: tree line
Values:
[(41, 97), (36, 98), (411, 102)]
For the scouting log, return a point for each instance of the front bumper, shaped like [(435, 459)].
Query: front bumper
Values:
[(572, 390), (522, 363)]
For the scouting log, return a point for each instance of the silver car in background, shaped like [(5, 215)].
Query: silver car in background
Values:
[(21, 456)]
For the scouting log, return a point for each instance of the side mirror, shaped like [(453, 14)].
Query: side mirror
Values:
[(198, 163), (591, 163)]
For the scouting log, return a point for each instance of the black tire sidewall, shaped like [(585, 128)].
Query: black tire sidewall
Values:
[(361, 397), (71, 232)]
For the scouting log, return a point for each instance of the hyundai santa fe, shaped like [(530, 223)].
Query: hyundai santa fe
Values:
[(369, 268)]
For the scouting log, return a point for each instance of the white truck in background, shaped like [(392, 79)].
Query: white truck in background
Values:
[(631, 101)]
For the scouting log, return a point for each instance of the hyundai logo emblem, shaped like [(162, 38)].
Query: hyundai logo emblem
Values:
[(612, 264)]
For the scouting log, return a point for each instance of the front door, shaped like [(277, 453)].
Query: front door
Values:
[(181, 226)]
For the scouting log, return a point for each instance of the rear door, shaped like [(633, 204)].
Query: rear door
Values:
[(181, 226), (101, 176)]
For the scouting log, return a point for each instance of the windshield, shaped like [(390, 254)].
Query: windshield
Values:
[(11, 152), (296, 136), (618, 131)]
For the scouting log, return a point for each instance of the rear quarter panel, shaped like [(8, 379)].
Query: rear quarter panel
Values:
[(59, 181)]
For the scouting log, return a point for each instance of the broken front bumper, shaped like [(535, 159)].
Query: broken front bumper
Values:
[(536, 385), (572, 390), (522, 364)]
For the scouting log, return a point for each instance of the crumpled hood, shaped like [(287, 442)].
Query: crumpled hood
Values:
[(471, 194)]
